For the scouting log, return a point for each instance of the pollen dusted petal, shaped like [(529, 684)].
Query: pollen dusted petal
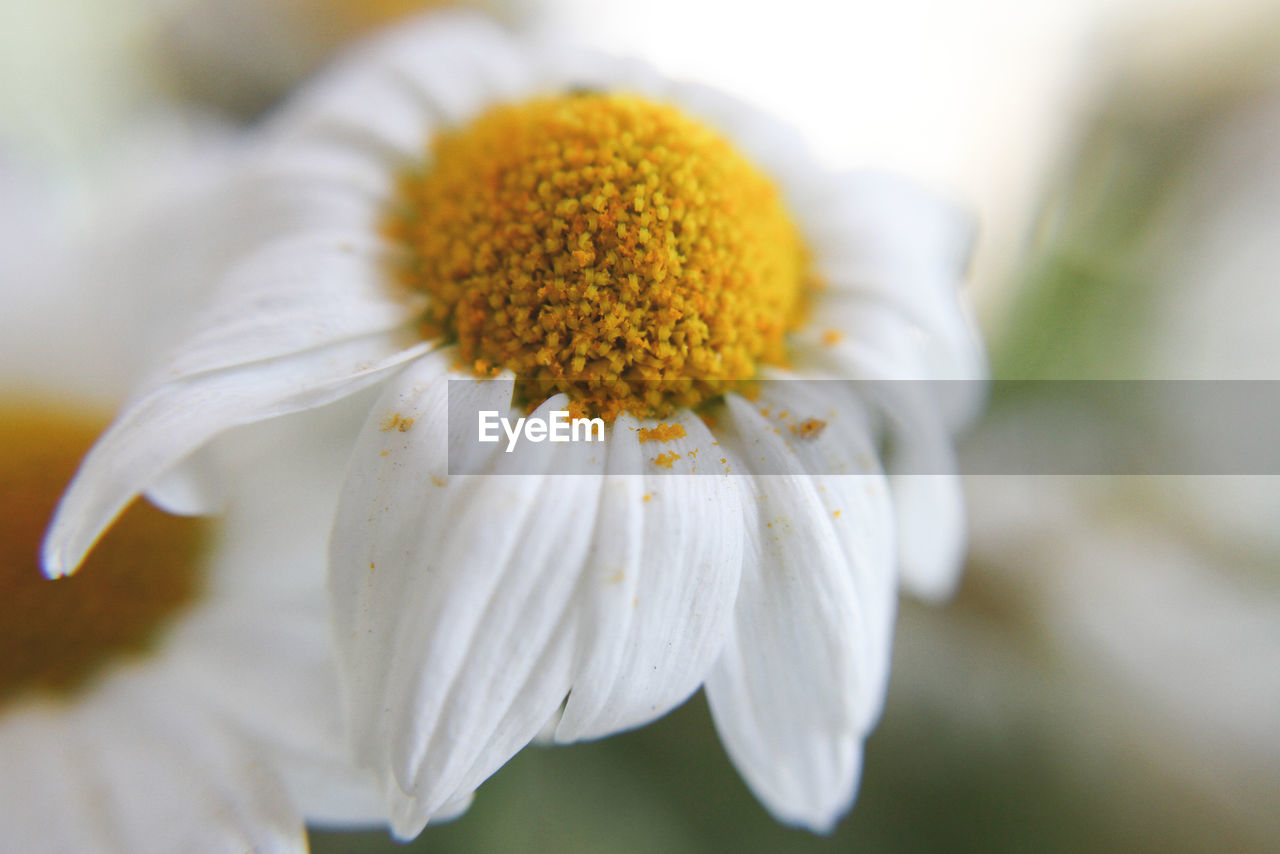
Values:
[(470, 606), (453, 593), (602, 245), (803, 559), (659, 586), (928, 499), (802, 677)]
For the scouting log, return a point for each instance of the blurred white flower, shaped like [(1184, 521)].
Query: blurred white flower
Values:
[(472, 610), (182, 695), (1164, 644), (1158, 598)]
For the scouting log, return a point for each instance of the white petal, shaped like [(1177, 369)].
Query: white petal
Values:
[(298, 294), (883, 247), (805, 775), (825, 527), (918, 413), (876, 342), (803, 678), (453, 809), (659, 585), (883, 236), (776, 148), (330, 163), (561, 67), (358, 105), (159, 430), (284, 207), (456, 65), (452, 597)]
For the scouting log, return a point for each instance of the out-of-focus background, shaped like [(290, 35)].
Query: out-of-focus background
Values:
[(1108, 676)]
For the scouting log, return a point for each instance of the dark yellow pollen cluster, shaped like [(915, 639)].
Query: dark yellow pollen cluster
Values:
[(606, 246), (345, 18), (55, 635)]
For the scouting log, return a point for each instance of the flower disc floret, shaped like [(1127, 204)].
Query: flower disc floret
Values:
[(606, 246)]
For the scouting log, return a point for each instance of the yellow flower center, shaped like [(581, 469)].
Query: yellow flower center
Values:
[(605, 246), (55, 635)]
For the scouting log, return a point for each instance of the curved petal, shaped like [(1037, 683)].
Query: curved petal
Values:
[(892, 258), (802, 678), (301, 293), (804, 775), (469, 606), (658, 591), (451, 596), (353, 104), (161, 429), (882, 237), (455, 64)]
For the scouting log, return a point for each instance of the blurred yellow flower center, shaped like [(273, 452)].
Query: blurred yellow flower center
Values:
[(352, 17), (55, 635), (605, 246)]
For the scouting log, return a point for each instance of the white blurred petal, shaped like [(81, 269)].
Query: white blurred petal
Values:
[(43, 767), (136, 767)]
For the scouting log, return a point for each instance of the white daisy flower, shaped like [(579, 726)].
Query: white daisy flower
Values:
[(180, 694), (454, 201)]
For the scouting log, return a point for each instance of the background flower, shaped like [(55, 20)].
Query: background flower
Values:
[(221, 732)]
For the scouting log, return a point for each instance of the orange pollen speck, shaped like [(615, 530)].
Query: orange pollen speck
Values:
[(396, 421), (662, 433), (666, 460), (809, 428), (605, 246), (55, 635)]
